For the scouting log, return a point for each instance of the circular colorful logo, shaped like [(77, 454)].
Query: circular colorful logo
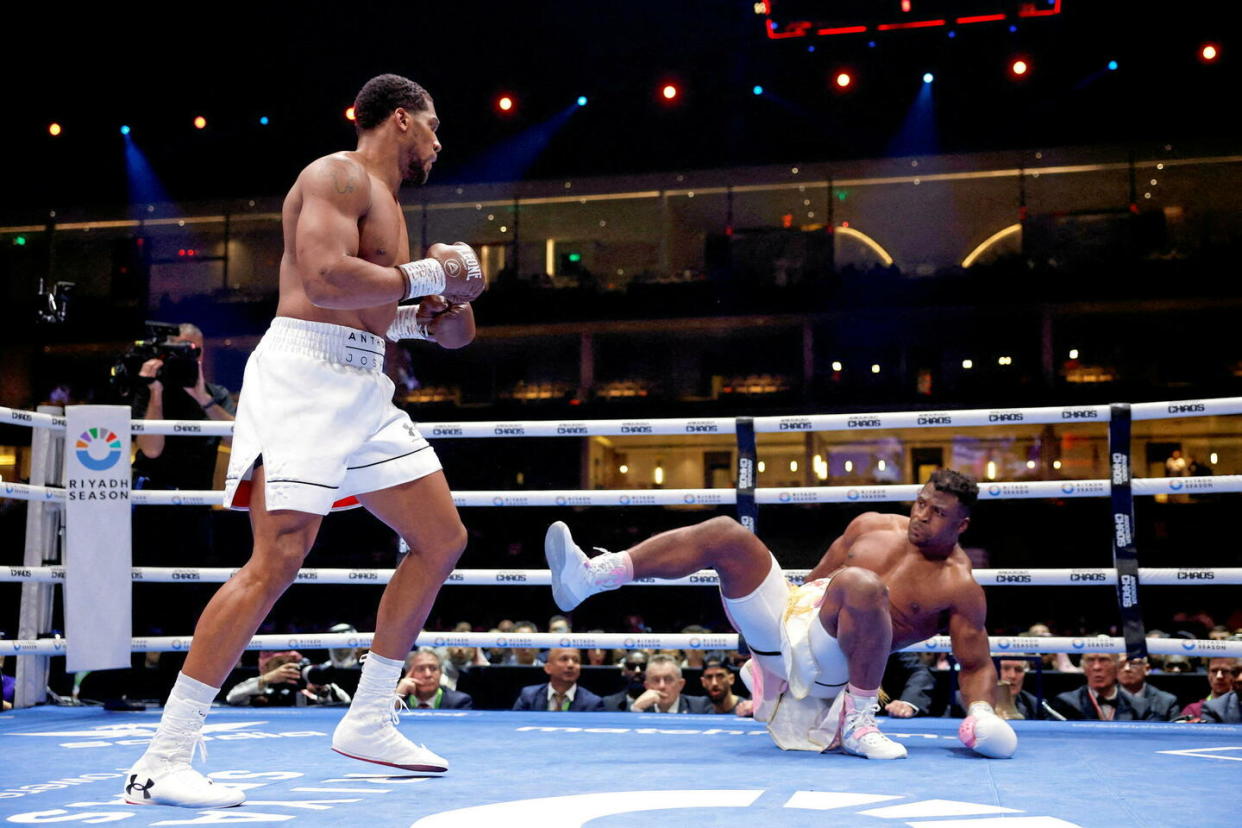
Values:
[(96, 441), (1068, 488), (1175, 485), (853, 494), (994, 490)]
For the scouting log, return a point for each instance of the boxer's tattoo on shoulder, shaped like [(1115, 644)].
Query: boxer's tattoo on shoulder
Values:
[(344, 179)]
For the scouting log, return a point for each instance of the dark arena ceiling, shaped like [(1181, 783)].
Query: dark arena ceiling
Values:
[(299, 65)]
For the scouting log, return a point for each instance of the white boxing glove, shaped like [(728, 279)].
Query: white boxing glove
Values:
[(986, 733), (407, 325)]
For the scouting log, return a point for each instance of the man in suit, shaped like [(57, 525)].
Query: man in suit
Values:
[(914, 682), (1013, 672), (664, 684), (634, 669), (422, 688), (1133, 677), (1101, 698), (561, 691)]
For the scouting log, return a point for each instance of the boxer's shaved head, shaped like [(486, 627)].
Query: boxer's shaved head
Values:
[(381, 95)]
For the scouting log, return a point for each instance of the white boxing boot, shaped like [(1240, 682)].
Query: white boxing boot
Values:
[(368, 730), (370, 733), (163, 776), (853, 718), (575, 577)]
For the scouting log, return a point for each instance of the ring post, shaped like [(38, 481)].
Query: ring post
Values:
[(747, 511), (1125, 552)]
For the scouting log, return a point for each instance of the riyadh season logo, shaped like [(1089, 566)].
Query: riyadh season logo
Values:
[(96, 441)]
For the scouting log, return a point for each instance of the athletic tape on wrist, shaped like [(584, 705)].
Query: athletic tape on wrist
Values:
[(407, 325), (423, 278)]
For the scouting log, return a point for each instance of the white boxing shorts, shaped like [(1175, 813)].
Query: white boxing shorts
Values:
[(782, 629), (316, 407)]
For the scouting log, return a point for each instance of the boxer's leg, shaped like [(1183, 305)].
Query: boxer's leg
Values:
[(422, 512), (855, 627), (163, 776), (723, 544)]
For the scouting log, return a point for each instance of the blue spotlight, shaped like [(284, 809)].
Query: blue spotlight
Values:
[(582, 100), (1112, 66), (1013, 29), (928, 77), (125, 130), (870, 44), (952, 34), (264, 120), (757, 89), (810, 48)]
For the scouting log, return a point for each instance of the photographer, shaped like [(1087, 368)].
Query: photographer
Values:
[(280, 683), (178, 390)]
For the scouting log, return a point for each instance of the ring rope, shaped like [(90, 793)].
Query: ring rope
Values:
[(1036, 489), (1080, 576), (1000, 645), (717, 425)]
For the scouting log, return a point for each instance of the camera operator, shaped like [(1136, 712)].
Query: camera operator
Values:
[(280, 683), (178, 392)]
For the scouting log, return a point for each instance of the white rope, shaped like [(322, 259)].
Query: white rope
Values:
[(1000, 645), (1036, 489), (955, 418), (1184, 576)]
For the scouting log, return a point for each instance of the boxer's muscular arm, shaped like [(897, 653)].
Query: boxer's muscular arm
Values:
[(336, 193), (837, 555), (969, 636)]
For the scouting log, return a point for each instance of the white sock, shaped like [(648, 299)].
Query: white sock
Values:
[(192, 694), (610, 570), (379, 677), (862, 698)]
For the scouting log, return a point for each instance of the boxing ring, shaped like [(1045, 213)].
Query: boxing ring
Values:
[(63, 764)]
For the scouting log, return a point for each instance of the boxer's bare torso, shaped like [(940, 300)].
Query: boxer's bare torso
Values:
[(923, 591), (382, 237)]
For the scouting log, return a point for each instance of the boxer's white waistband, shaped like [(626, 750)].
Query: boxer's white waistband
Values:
[(322, 340)]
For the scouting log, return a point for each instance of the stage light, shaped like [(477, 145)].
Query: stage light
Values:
[(875, 369), (968, 364), (125, 130), (837, 366), (582, 100), (200, 122), (1019, 68), (843, 80), (264, 121), (504, 103), (928, 77), (349, 114), (669, 91), (53, 130), (1112, 66), (20, 241), (757, 89), (575, 257), (1209, 52)]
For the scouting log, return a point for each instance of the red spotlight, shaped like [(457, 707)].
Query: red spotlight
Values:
[(669, 92), (843, 80), (349, 114), (1020, 67), (505, 103), (1209, 53)]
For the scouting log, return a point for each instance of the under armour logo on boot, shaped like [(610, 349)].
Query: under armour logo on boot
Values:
[(133, 786)]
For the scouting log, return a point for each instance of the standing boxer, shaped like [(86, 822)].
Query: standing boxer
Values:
[(888, 582), (316, 425)]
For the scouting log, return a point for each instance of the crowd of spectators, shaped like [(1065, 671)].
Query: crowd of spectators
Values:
[(1106, 686)]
